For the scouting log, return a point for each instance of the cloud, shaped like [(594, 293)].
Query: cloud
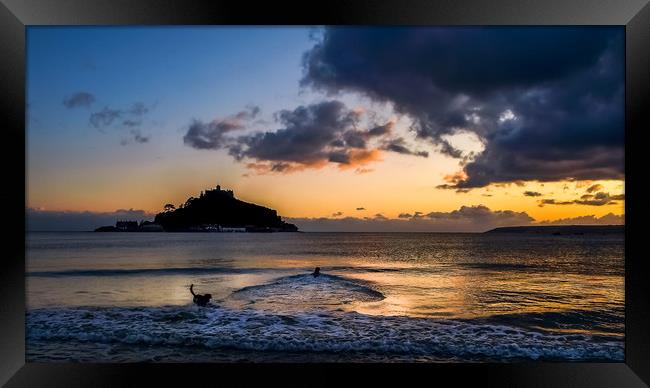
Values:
[(599, 199), (532, 194), (409, 215), (596, 187), (210, 135), (305, 138), (138, 109), (49, 220), (363, 170), (398, 145), (310, 136), (79, 99), (136, 137), (381, 130), (546, 102), (105, 117), (481, 212), (465, 219), (127, 118), (554, 202), (361, 208), (337, 214), (356, 158), (608, 219), (131, 123)]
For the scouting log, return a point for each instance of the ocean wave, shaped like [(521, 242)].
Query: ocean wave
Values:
[(605, 322), (305, 290), (326, 331)]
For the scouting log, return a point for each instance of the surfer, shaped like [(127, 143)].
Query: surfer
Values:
[(316, 272), (201, 300)]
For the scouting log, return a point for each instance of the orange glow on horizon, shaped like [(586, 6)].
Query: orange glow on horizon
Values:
[(398, 184)]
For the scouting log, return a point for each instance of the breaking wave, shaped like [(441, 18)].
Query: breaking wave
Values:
[(220, 328), (307, 291)]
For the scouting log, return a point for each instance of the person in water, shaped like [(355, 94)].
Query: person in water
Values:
[(316, 272), (201, 300)]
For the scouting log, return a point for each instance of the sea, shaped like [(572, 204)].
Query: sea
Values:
[(381, 297)]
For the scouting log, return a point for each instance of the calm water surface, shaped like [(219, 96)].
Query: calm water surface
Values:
[(118, 297)]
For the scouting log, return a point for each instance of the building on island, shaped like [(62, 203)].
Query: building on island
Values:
[(218, 191), (126, 226)]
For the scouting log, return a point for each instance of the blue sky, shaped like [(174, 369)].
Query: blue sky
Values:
[(181, 73)]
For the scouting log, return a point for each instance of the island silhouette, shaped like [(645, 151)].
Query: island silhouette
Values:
[(215, 210)]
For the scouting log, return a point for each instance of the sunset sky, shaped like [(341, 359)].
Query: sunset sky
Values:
[(414, 129)]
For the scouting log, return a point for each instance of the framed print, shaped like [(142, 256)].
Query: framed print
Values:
[(380, 188)]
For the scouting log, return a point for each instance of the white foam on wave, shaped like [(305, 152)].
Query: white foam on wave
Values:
[(331, 331), (305, 292)]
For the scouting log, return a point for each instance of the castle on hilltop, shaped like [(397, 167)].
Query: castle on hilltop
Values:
[(216, 210), (218, 191)]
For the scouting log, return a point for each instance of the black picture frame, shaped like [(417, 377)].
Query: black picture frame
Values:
[(15, 15)]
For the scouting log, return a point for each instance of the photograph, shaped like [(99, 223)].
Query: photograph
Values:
[(325, 194)]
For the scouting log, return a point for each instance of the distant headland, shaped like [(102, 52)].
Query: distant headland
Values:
[(561, 229), (215, 210)]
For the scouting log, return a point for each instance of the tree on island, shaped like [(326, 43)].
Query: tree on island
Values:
[(169, 207)]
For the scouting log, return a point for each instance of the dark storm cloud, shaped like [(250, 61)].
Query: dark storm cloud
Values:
[(532, 194), (546, 101), (307, 132), (339, 157), (355, 139), (210, 135), (381, 130), (45, 220), (79, 99), (310, 136)]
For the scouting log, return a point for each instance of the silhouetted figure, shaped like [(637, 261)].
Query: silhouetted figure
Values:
[(316, 272), (201, 300)]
